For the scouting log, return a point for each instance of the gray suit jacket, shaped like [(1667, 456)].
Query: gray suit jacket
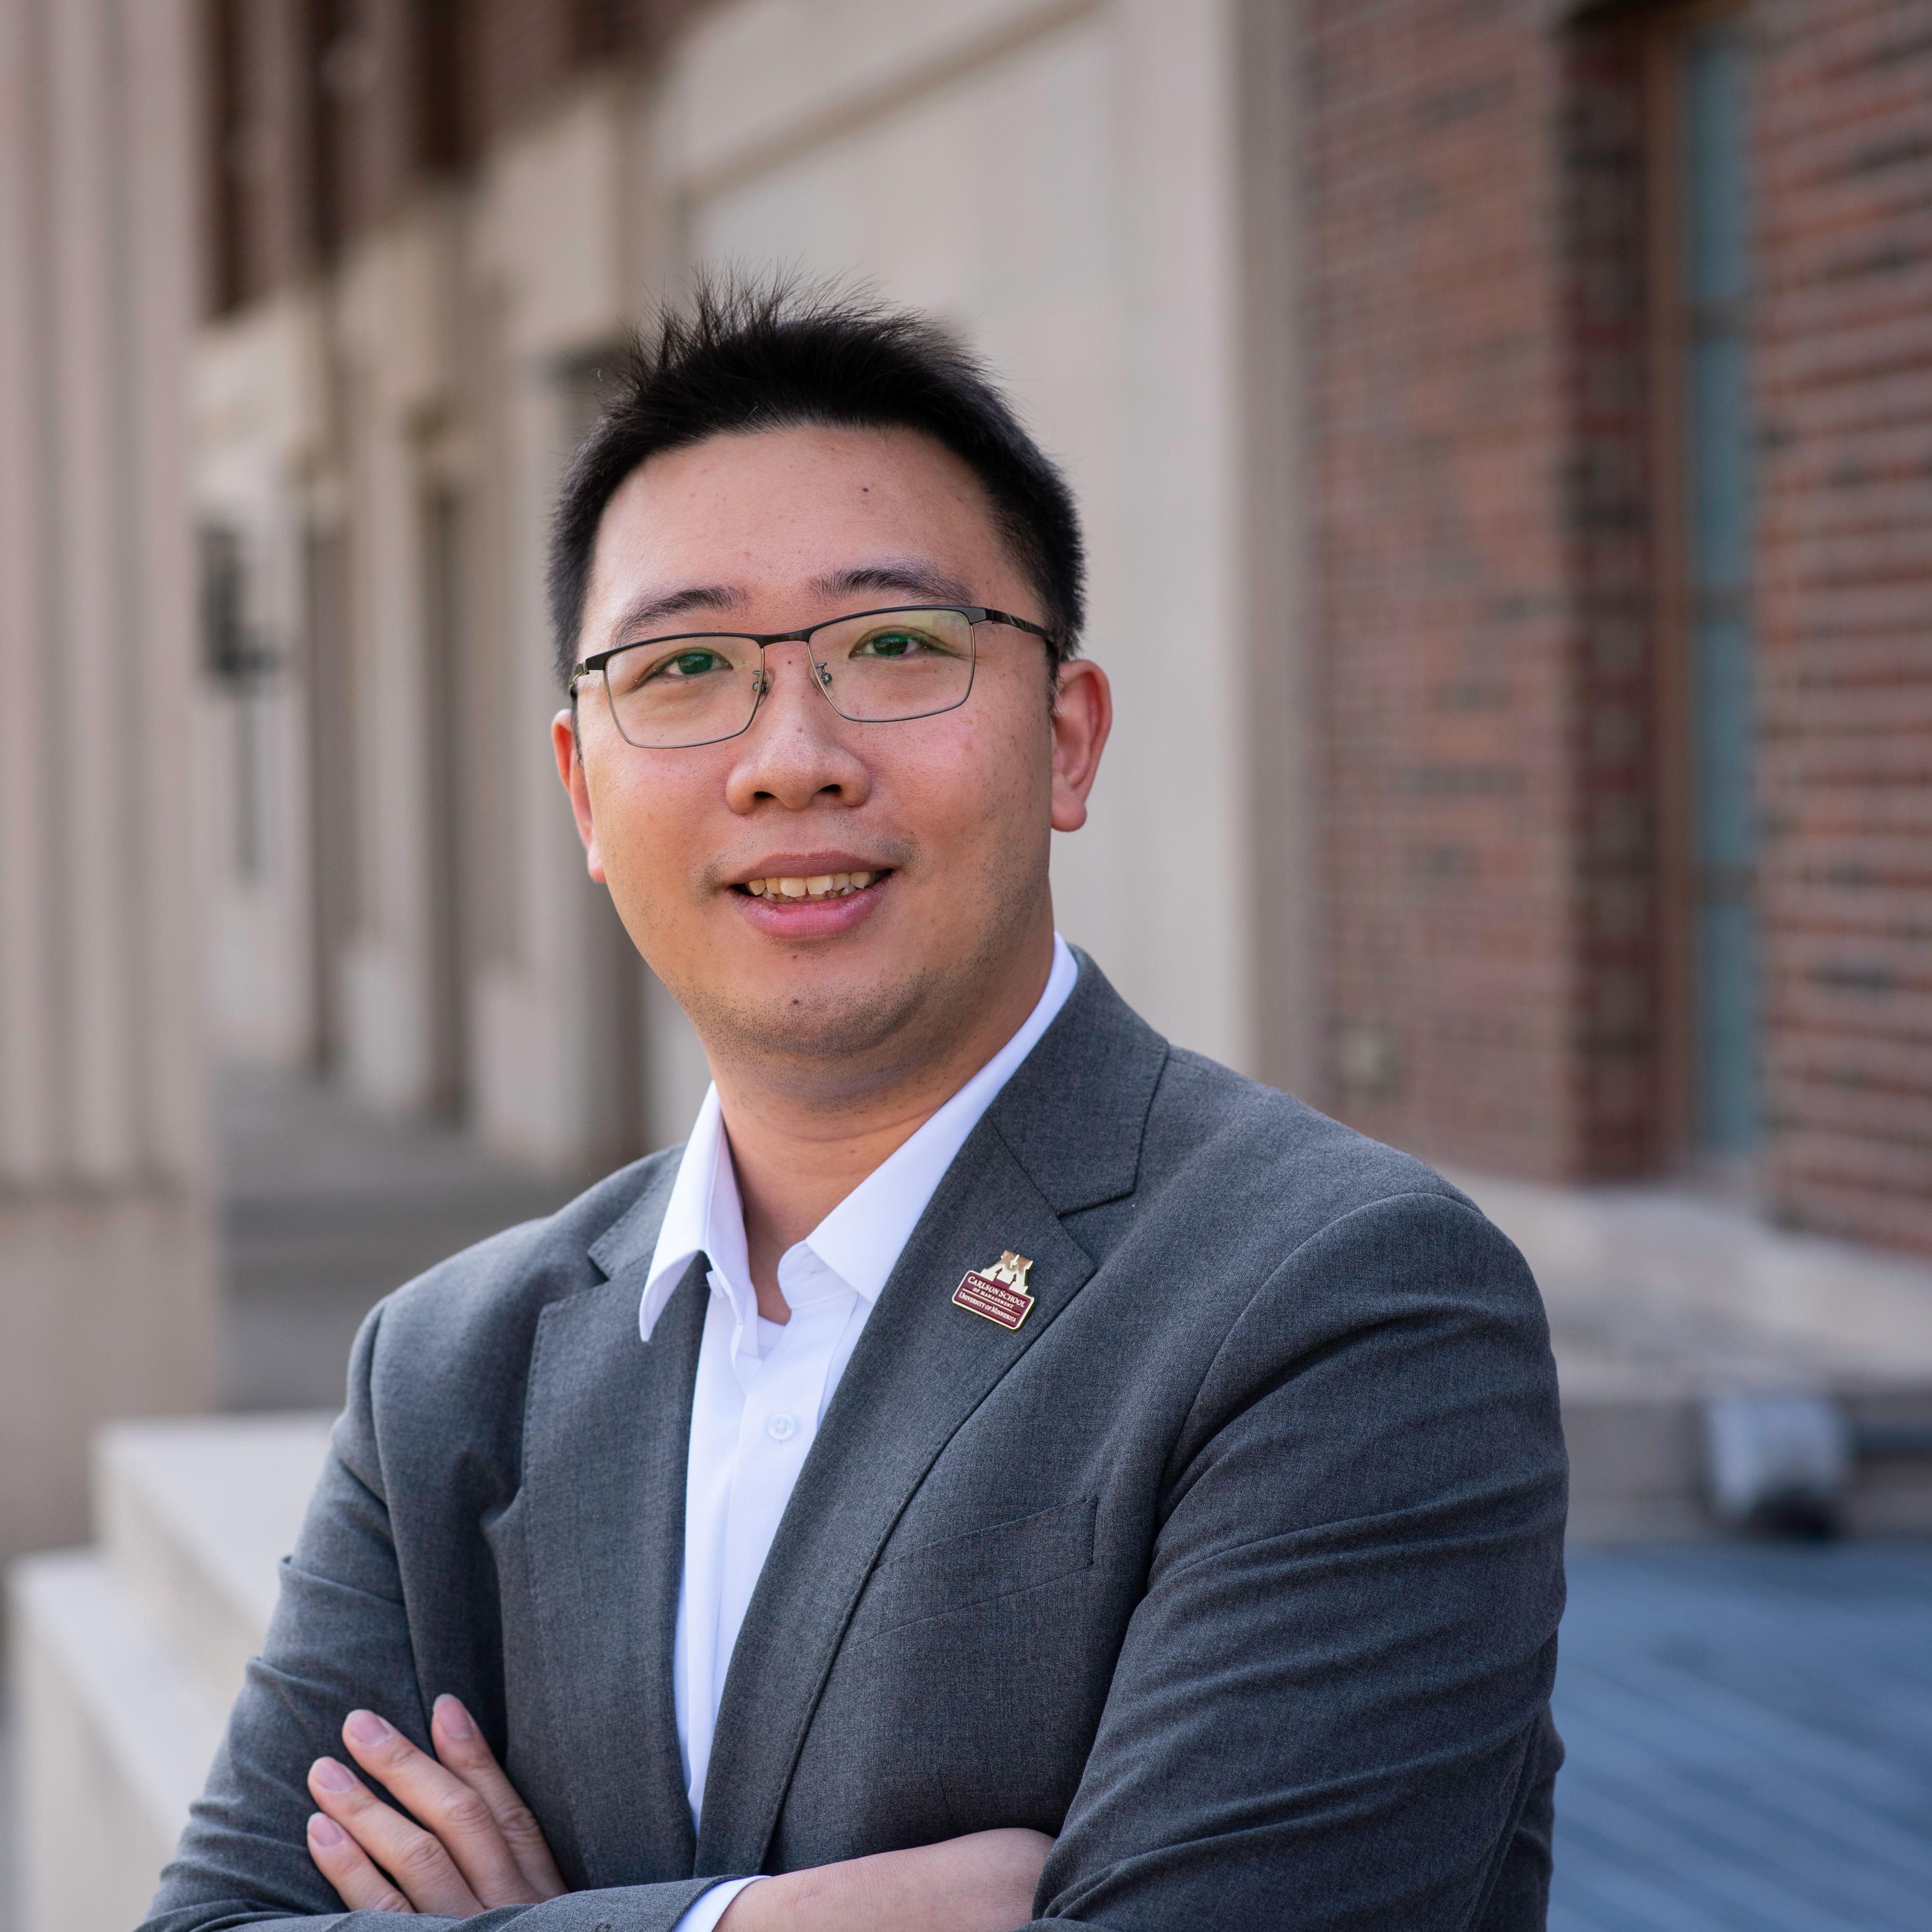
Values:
[(1237, 1567)]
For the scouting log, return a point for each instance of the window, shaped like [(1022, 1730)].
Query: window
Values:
[(1708, 391)]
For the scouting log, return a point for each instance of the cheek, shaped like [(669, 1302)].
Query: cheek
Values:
[(644, 821), (982, 777)]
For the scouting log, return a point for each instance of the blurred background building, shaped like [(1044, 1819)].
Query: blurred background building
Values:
[(108, 1278), (1505, 434)]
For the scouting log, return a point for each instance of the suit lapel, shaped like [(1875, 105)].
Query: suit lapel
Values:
[(605, 1442), (920, 1369)]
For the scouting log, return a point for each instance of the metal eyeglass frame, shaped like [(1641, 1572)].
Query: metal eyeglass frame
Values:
[(975, 614)]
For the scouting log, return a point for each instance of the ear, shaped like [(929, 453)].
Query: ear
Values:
[(570, 768), (1083, 715)]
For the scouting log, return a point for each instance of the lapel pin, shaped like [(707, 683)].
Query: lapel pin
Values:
[(999, 1293)]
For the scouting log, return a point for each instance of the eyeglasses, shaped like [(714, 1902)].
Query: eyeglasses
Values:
[(873, 668)]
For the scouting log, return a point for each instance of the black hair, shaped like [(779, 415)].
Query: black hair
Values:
[(744, 356)]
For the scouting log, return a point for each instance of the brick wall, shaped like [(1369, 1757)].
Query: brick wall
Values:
[(1500, 730), (1843, 374), (1474, 193)]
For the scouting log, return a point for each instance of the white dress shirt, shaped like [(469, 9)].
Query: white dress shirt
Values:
[(763, 1387)]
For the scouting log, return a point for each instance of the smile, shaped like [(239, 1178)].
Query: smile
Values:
[(821, 886)]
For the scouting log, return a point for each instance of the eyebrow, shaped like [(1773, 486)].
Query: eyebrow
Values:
[(921, 580), (895, 577), (652, 610)]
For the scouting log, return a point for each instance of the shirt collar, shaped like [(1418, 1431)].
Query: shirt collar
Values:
[(861, 1240)]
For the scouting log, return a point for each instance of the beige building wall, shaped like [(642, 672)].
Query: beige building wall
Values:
[(107, 1279)]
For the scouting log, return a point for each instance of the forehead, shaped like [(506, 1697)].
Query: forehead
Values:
[(769, 509)]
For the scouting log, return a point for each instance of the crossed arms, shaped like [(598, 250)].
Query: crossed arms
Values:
[(478, 1847)]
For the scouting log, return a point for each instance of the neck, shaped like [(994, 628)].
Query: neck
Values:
[(797, 1155)]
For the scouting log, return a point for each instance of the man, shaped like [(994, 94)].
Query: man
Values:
[(1002, 1468)]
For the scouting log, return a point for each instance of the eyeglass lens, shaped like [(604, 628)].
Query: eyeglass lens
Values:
[(885, 666)]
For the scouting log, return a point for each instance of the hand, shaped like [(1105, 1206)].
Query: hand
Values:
[(983, 1882), (477, 1846)]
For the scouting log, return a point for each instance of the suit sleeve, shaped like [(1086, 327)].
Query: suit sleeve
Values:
[(339, 1638), (1331, 1711)]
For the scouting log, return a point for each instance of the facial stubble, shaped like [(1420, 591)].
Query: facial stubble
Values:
[(835, 1042)]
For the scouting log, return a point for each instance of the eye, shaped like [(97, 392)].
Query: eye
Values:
[(630, 670), (897, 642)]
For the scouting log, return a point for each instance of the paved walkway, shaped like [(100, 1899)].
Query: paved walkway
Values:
[(1750, 1738)]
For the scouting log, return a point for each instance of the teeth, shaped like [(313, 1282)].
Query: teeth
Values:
[(822, 885)]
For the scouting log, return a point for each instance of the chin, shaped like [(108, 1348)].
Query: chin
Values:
[(815, 1018)]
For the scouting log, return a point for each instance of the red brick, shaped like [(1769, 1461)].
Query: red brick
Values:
[(1476, 193)]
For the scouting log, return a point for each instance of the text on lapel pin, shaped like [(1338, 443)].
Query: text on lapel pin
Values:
[(999, 1293)]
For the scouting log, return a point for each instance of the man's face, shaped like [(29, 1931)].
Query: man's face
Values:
[(950, 814)]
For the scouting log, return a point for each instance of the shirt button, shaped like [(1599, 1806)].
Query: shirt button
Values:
[(781, 1428)]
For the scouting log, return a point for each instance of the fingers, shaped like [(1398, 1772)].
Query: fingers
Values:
[(417, 1864), (460, 1744), (346, 1866), (455, 1817)]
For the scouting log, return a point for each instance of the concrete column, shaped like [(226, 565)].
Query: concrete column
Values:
[(1181, 747), (560, 1016), (107, 1300), (159, 116), (561, 1073), (96, 693), (26, 1078), (389, 1029)]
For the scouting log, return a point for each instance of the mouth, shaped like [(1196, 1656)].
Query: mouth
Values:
[(809, 896), (800, 889)]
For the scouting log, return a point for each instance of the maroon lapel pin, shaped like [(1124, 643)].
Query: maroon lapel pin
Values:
[(999, 1293)]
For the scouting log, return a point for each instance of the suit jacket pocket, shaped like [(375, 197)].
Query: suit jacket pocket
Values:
[(977, 1567)]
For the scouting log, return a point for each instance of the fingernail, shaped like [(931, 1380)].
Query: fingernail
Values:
[(331, 1776), (454, 1718), (366, 1728), (325, 1831)]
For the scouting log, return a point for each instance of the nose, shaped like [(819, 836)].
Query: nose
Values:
[(798, 751)]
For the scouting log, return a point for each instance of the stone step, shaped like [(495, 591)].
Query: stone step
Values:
[(1639, 1465), (127, 1656), (115, 1733), (196, 1516), (1660, 1298)]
